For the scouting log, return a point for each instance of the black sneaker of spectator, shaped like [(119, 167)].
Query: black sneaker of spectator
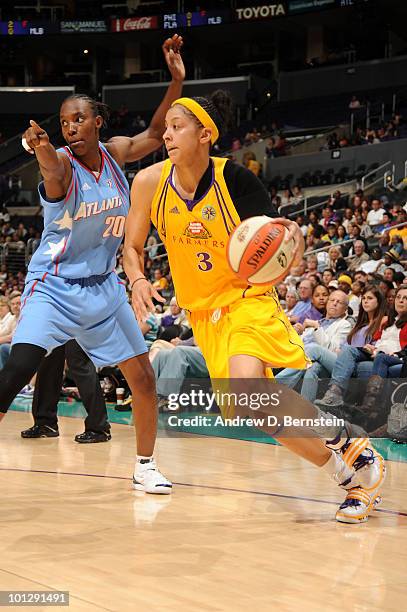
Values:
[(91, 437), (40, 431)]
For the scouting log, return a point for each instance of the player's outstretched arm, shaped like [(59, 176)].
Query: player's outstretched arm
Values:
[(55, 169), (126, 150), (137, 228)]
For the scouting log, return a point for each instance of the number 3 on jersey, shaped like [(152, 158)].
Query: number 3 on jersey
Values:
[(205, 263), (115, 226)]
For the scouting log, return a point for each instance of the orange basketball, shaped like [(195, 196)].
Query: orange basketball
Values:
[(257, 251)]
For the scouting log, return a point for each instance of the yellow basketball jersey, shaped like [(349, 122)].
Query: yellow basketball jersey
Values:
[(195, 235)]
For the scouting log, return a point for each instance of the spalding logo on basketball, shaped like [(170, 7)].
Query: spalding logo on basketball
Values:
[(257, 251)]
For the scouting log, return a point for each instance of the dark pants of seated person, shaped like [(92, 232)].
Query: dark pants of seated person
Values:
[(382, 363), (49, 383)]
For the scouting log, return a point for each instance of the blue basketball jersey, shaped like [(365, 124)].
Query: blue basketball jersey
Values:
[(83, 232)]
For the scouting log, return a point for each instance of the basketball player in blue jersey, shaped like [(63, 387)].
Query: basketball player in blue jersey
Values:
[(72, 291)]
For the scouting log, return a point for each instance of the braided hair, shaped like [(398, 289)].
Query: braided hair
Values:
[(98, 108)]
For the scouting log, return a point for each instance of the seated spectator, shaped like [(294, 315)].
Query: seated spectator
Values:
[(322, 341), (345, 283), (174, 315), (291, 300), (342, 233), (282, 292), (332, 234), (303, 306), (312, 266), (286, 198), (348, 219), (390, 259), (327, 276), (386, 224), (355, 234), (149, 328), (355, 297), (160, 283), (359, 347), (298, 196), (172, 367), (400, 231), (300, 221), (389, 352), (336, 201), (399, 279), (375, 216), (317, 307), (384, 242), (359, 257), (296, 273), (365, 229), (327, 217), (372, 264), (388, 276), (397, 243), (250, 162), (336, 261), (5, 339), (151, 246), (7, 320)]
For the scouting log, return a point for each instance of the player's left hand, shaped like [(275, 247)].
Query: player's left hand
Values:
[(294, 233), (172, 53)]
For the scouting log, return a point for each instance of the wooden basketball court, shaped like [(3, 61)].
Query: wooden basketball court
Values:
[(248, 527)]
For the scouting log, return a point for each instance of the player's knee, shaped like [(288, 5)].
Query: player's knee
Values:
[(146, 382)]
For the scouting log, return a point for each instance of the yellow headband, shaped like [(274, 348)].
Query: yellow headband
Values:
[(201, 114)]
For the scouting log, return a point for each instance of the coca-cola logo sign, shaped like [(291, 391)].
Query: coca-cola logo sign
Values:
[(134, 23)]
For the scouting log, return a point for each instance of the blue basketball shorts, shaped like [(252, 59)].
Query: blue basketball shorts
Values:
[(93, 311)]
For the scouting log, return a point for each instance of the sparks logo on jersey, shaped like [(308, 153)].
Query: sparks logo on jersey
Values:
[(175, 211), (208, 213), (196, 229), (86, 187)]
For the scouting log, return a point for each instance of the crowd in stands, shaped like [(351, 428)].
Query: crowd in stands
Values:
[(355, 264)]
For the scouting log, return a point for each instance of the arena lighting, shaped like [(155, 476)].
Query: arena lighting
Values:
[(86, 51)]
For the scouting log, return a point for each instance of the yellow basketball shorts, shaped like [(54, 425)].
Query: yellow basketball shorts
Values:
[(255, 326)]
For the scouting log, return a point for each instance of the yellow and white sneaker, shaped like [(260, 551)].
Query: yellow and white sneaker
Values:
[(370, 471), (357, 506)]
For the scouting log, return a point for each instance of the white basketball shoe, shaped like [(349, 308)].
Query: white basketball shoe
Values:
[(148, 478)]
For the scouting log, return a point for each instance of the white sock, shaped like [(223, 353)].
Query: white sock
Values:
[(142, 462), (334, 464), (337, 468)]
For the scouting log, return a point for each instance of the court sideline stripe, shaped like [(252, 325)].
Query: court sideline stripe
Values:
[(188, 484)]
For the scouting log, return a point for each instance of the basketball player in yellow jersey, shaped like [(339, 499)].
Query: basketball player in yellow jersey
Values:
[(195, 201)]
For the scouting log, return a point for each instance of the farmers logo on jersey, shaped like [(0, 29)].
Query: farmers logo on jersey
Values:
[(196, 229), (208, 213)]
